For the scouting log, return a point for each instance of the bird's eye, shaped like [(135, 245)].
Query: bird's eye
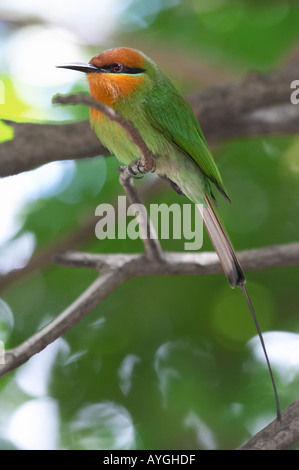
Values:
[(116, 67)]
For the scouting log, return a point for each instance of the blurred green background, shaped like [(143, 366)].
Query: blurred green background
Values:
[(162, 363)]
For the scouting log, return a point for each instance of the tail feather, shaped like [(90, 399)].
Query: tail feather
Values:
[(233, 271), (222, 245)]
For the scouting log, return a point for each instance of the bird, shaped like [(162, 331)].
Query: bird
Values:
[(132, 84)]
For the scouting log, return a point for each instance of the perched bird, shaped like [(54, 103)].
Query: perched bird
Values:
[(131, 83)]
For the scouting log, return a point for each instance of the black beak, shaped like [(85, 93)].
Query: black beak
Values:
[(86, 68)]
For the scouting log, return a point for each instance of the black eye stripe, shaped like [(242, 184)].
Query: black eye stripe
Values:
[(130, 70)]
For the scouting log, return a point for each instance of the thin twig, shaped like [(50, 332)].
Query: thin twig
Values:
[(149, 236), (147, 158)]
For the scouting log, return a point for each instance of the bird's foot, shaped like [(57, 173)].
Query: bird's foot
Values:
[(142, 170), (139, 169), (136, 169), (132, 170)]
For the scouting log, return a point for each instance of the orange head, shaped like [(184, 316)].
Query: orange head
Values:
[(121, 72), (113, 74)]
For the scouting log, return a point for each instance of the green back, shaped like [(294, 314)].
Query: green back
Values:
[(169, 113)]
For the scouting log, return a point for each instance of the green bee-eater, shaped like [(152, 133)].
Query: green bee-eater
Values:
[(131, 83)]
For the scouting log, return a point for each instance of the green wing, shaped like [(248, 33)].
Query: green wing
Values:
[(169, 113)]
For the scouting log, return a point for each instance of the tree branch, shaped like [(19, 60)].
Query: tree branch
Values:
[(98, 291), (191, 263), (117, 268), (34, 145), (277, 435), (258, 106)]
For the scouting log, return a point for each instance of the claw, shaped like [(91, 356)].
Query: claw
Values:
[(140, 167), (133, 173)]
